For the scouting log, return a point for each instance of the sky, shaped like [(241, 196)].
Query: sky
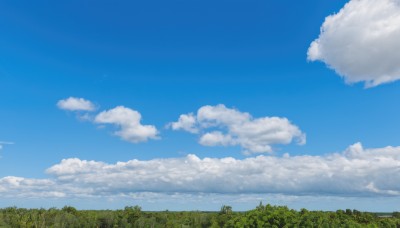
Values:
[(190, 105)]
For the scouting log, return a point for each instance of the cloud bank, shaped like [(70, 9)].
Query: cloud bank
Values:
[(361, 42), (353, 173), (222, 126), (76, 104)]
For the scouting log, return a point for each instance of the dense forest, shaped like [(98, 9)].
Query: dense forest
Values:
[(261, 216)]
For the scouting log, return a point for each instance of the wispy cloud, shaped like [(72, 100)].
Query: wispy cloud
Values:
[(5, 143)]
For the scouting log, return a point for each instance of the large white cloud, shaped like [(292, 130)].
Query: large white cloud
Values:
[(128, 121), (361, 42), (353, 173), (254, 135), (76, 104), (356, 171)]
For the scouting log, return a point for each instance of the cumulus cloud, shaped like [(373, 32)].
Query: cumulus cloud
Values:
[(361, 41), (255, 135), (353, 173), (216, 138), (356, 171), (186, 122), (128, 121), (76, 104)]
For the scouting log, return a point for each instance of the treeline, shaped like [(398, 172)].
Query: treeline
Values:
[(261, 216)]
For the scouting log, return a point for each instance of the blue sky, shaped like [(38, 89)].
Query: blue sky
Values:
[(166, 59)]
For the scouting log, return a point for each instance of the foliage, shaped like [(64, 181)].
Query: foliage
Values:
[(261, 216)]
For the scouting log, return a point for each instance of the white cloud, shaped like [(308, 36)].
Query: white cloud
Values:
[(361, 42), (76, 104), (216, 138), (18, 187), (255, 135), (186, 122), (356, 172), (128, 121)]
